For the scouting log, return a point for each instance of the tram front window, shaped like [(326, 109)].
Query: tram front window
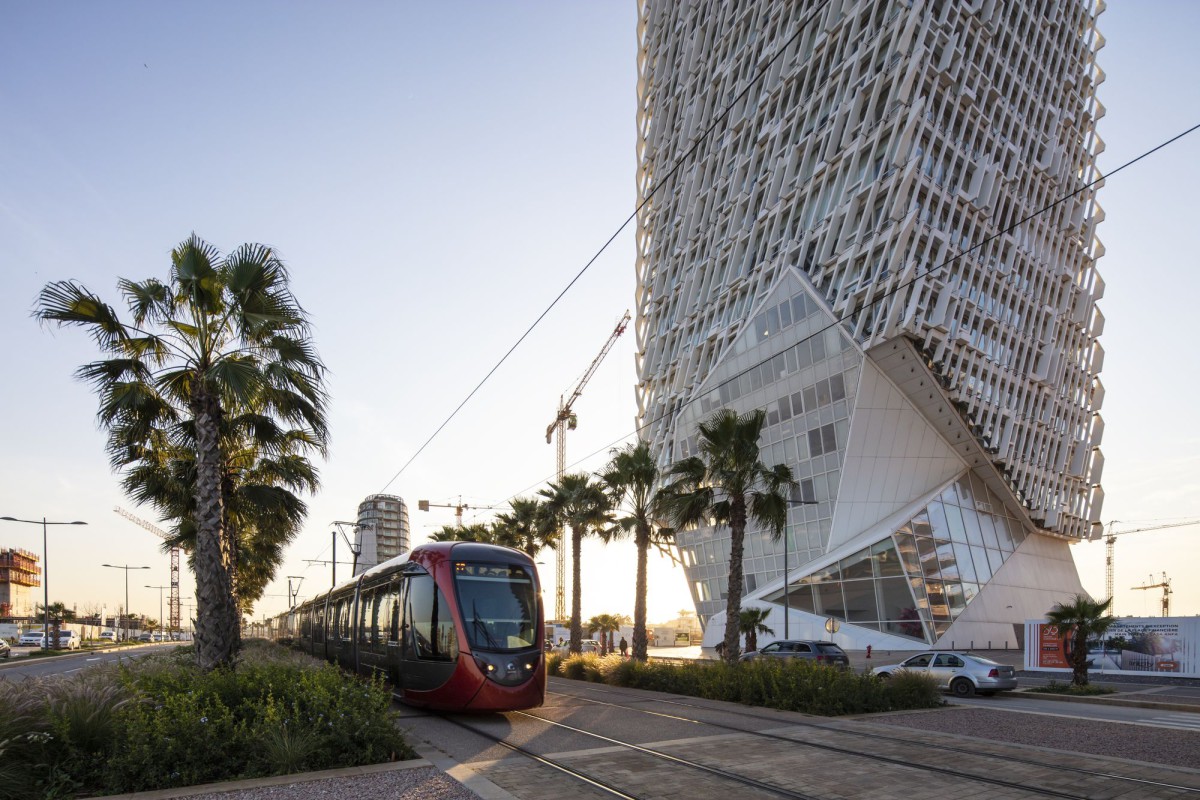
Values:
[(499, 606)]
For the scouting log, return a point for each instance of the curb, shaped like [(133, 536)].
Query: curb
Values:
[(1113, 701), (276, 780)]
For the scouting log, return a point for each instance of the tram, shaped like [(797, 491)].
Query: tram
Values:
[(452, 626)]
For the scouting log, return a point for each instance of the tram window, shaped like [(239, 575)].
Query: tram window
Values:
[(393, 605), (430, 617), (499, 605)]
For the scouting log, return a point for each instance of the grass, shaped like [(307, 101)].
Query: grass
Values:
[(790, 685)]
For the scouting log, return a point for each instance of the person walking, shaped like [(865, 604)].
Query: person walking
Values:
[(624, 648)]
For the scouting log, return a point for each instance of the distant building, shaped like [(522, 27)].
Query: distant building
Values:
[(20, 571), (383, 531), (855, 248)]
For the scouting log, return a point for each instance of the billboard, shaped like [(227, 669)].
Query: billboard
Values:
[(1131, 646)]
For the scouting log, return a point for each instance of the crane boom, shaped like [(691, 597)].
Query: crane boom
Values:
[(562, 421), (159, 532), (1110, 552), (1165, 585)]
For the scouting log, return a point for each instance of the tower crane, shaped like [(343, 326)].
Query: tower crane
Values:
[(459, 507), (1165, 585), (1110, 544), (159, 532), (566, 420)]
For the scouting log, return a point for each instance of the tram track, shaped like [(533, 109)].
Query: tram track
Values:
[(736, 783), (908, 742)]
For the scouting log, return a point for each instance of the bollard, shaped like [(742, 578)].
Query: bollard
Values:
[(989, 644)]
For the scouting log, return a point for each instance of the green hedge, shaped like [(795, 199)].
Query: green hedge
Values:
[(786, 684), (159, 723)]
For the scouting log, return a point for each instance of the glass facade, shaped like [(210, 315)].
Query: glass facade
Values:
[(916, 582)]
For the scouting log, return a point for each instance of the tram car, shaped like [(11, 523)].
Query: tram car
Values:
[(454, 626)]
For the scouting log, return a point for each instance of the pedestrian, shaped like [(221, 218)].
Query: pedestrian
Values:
[(624, 648)]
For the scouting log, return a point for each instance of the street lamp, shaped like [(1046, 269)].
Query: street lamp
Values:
[(45, 573), (160, 606), (787, 582), (125, 567)]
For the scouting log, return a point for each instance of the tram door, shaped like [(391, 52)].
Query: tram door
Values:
[(393, 612), (431, 646)]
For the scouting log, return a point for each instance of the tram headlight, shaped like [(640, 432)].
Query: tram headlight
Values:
[(505, 668)]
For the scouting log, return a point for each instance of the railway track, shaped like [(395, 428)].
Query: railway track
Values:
[(939, 749), (713, 773)]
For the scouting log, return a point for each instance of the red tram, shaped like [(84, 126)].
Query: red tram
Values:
[(454, 626)]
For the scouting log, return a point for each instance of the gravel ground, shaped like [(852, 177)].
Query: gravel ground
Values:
[(423, 783), (1141, 743)]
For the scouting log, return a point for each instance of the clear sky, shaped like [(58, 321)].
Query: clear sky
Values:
[(434, 175)]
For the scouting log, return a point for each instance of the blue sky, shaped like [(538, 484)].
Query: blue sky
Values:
[(434, 175)]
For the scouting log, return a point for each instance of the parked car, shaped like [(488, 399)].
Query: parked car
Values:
[(821, 652), (68, 640), (108, 636), (586, 646), (964, 674), (145, 637), (5, 649), (31, 639)]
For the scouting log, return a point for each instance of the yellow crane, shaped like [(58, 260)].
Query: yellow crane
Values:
[(1110, 545), (1165, 585), (159, 532), (566, 420), (459, 507)]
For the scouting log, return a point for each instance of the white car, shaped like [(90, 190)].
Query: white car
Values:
[(962, 673), (31, 639), (68, 640), (108, 636)]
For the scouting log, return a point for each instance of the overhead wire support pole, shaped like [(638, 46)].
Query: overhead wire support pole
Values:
[(565, 420)]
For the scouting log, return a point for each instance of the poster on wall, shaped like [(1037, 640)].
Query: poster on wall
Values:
[(1131, 646)]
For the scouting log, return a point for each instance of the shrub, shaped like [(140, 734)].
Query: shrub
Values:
[(554, 664), (1054, 687)]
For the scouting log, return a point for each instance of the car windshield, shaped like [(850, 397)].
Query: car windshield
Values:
[(499, 605)]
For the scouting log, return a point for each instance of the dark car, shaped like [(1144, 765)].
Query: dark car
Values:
[(821, 652)]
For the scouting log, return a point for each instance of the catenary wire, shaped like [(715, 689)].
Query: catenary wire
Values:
[(632, 216), (883, 296)]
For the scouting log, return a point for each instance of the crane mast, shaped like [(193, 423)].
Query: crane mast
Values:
[(1110, 553), (565, 420), (1165, 585), (159, 532)]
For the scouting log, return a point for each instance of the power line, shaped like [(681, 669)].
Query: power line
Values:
[(665, 180), (839, 320)]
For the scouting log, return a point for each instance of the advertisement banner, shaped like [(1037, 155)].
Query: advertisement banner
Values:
[(1131, 646)]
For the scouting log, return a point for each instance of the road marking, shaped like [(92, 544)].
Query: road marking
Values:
[(1181, 721), (97, 658), (73, 670)]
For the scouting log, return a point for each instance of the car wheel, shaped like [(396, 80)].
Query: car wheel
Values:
[(962, 687), (884, 676)]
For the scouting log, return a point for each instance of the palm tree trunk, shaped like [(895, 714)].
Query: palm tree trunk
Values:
[(639, 601), (733, 604), (576, 644), (216, 623), (1079, 668)]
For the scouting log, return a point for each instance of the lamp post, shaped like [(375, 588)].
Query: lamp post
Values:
[(125, 567), (787, 582), (160, 605), (45, 572)]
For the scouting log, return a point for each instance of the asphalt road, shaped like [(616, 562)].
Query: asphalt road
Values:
[(1032, 704), (18, 668)]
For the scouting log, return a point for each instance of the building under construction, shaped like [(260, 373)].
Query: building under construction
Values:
[(20, 572)]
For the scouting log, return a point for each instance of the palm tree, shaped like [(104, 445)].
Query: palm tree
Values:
[(476, 532), (632, 479), (224, 336), (727, 484), (527, 527), (751, 622), (580, 503), (1083, 618)]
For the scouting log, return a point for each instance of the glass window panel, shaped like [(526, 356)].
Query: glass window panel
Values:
[(966, 567), (837, 387), (980, 491), (970, 591), (983, 570), (1015, 530), (814, 442), (910, 628), (955, 598), (963, 486), (789, 359), (940, 628), (917, 585), (785, 314), (860, 600), (929, 561), (829, 600), (857, 566), (785, 407), (989, 530), (1002, 534), (824, 398), (937, 521), (895, 599), (801, 597), (907, 547), (818, 348), (803, 355), (995, 560), (885, 559), (760, 327), (810, 399), (772, 320), (797, 404), (971, 523), (799, 308), (958, 531), (920, 525), (828, 439), (947, 559), (776, 367), (939, 608), (756, 380)]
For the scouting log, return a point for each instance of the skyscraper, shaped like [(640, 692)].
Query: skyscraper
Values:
[(382, 532), (869, 245)]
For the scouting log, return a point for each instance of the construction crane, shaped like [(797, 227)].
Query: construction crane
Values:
[(564, 421), (459, 507), (159, 532), (1110, 544), (1165, 585)]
